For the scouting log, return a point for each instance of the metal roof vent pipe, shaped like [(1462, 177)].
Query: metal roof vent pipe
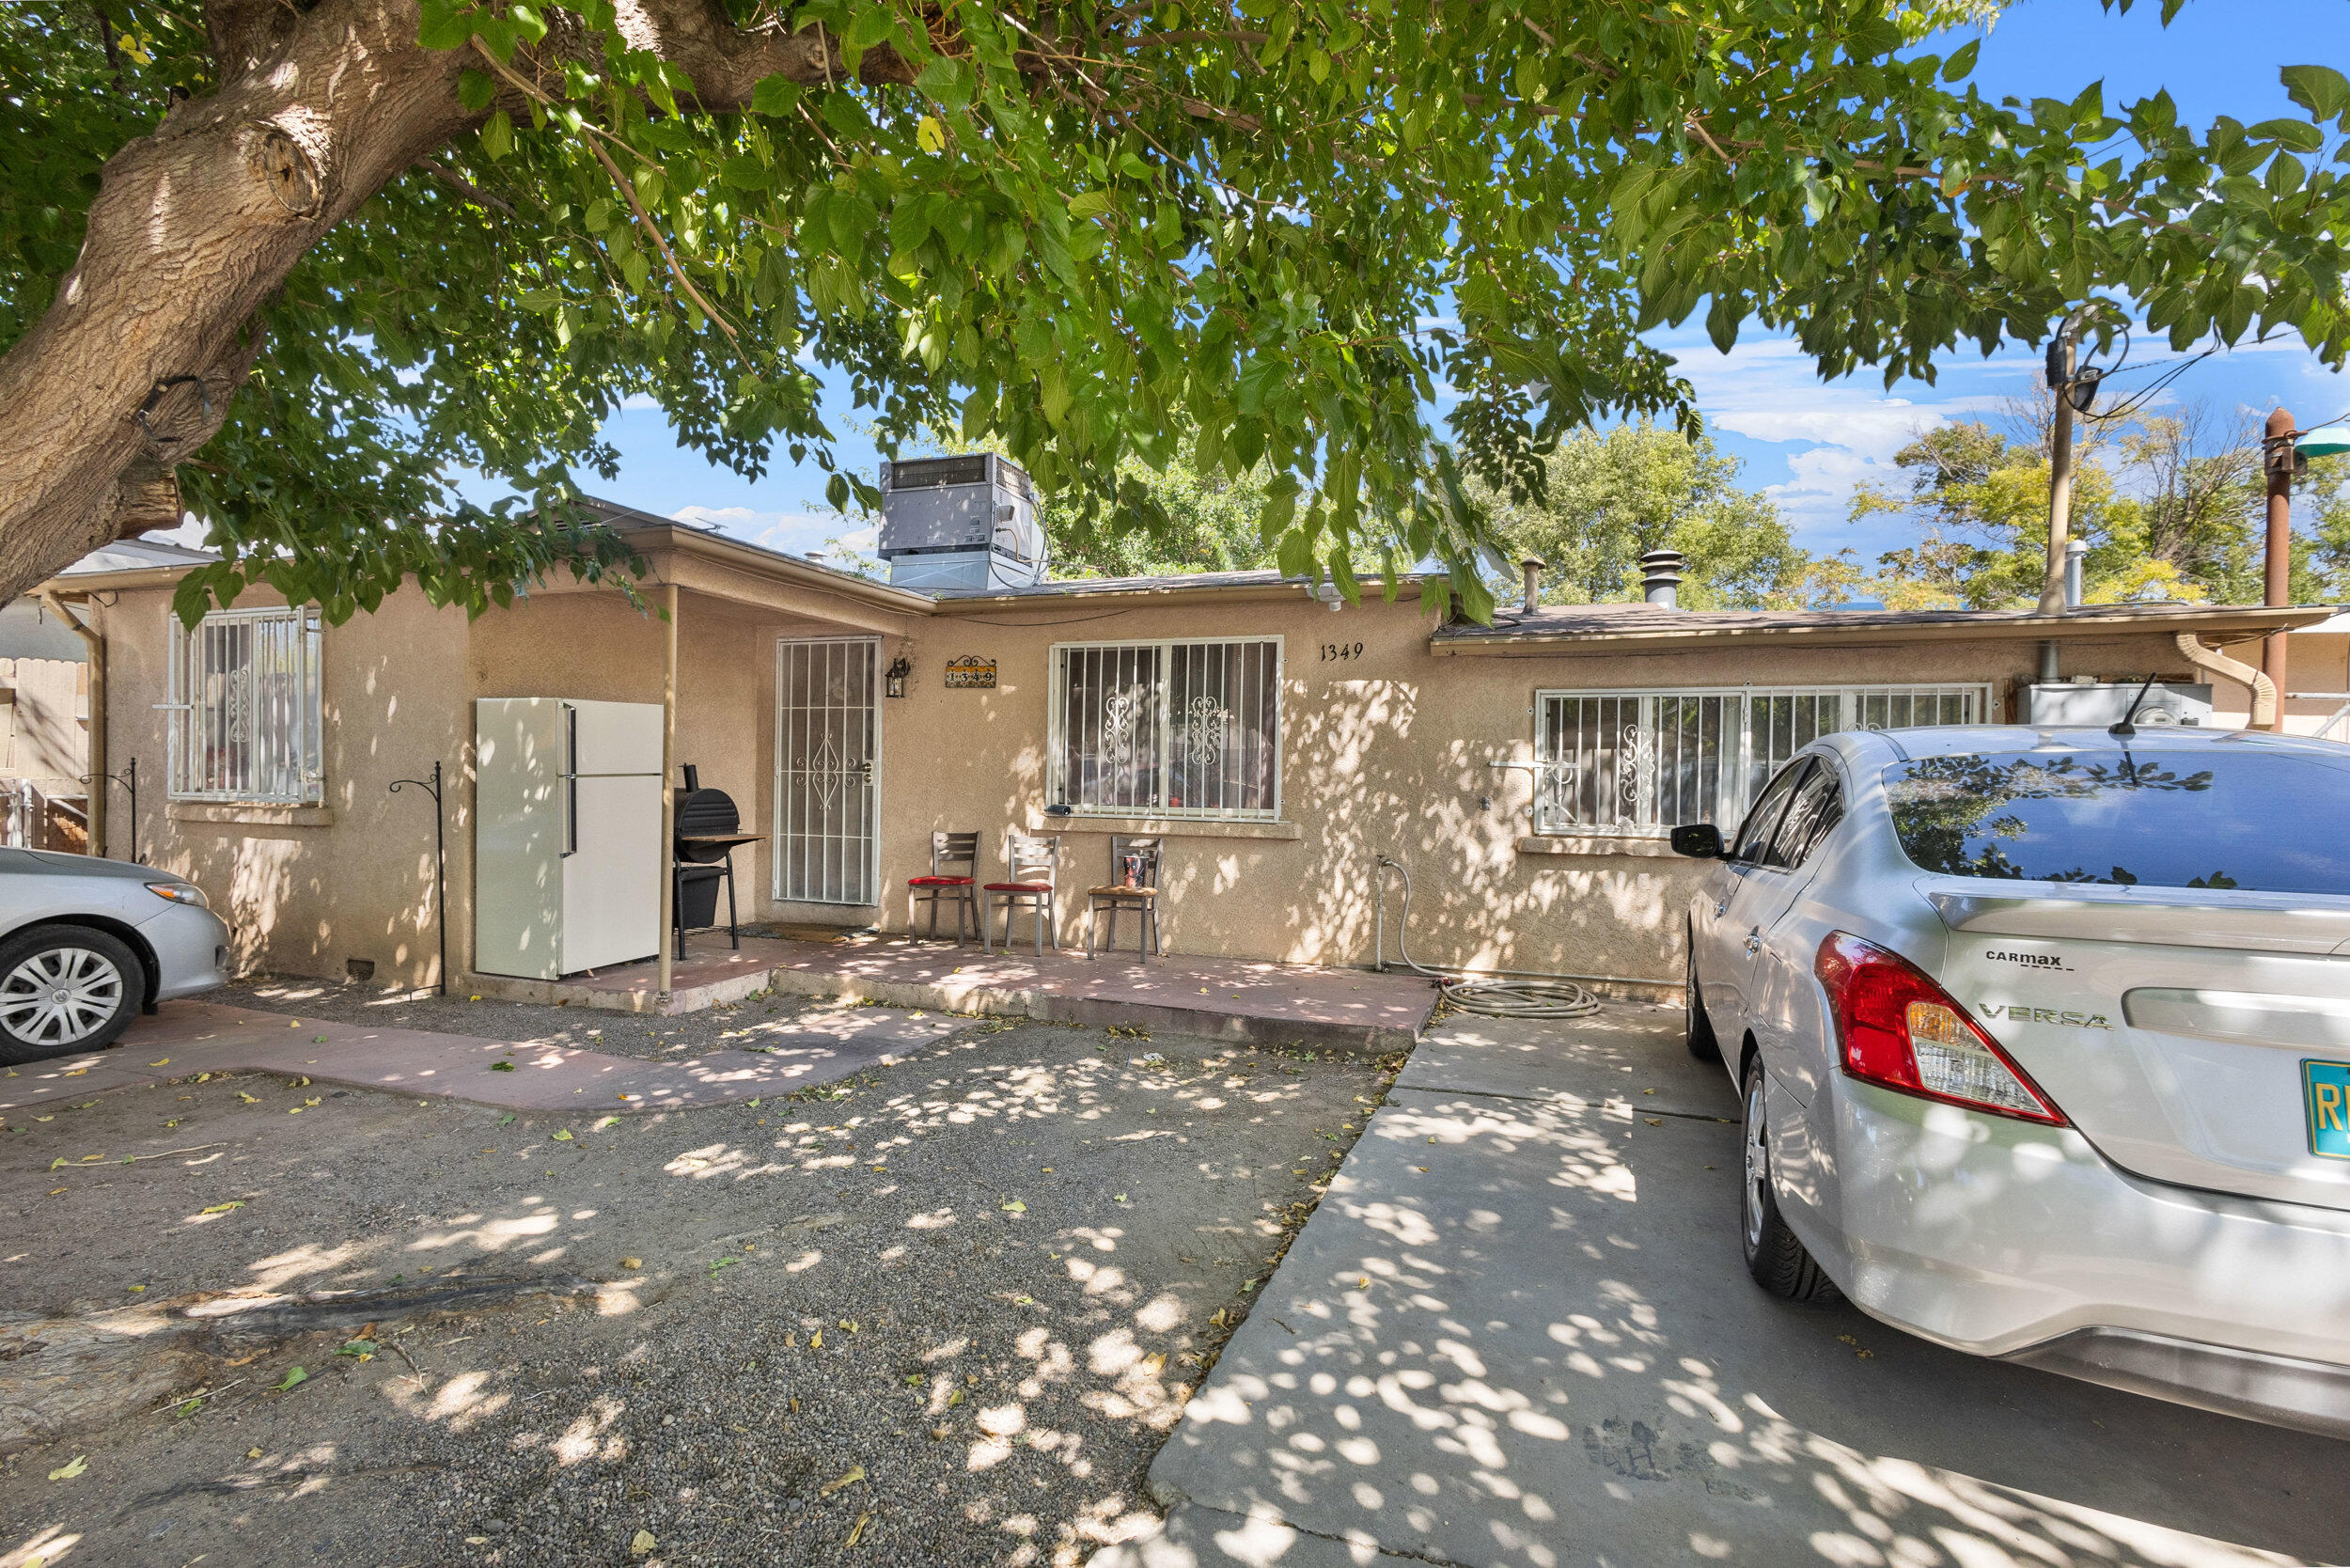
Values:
[(1533, 566), (1660, 577), (2075, 551)]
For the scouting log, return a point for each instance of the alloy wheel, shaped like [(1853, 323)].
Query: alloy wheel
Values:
[(1758, 1163), (59, 996)]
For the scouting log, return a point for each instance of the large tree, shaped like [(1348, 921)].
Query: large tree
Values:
[(1610, 498), (299, 264)]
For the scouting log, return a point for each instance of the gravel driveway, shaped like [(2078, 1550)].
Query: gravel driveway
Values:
[(942, 1313)]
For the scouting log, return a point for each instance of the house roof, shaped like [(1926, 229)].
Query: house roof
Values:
[(1656, 628)]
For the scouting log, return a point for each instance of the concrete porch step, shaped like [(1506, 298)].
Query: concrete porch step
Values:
[(1222, 999)]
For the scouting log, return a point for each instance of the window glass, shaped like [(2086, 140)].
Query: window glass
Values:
[(1642, 761), (245, 712), (1180, 729), (1817, 805), (2201, 817), (1754, 838)]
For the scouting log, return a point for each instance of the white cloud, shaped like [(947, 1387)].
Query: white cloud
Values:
[(792, 533)]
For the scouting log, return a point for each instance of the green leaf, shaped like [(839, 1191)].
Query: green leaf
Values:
[(293, 1379), (746, 173), (2324, 91), (1962, 60), (497, 135), (444, 25), (1086, 204), (775, 96), (2299, 136), (475, 90), (930, 134)]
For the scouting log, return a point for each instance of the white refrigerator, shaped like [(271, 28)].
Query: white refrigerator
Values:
[(567, 835)]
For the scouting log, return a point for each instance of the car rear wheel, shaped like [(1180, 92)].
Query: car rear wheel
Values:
[(1697, 1029), (65, 989), (1779, 1263)]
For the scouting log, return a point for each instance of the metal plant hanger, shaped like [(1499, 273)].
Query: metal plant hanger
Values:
[(440, 865), (129, 780)]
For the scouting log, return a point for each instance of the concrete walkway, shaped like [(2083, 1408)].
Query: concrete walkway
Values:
[(1518, 1332), (188, 1037)]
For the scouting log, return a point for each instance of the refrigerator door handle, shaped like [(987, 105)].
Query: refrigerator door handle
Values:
[(570, 782)]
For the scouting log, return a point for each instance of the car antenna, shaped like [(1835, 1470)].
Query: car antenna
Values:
[(2125, 729)]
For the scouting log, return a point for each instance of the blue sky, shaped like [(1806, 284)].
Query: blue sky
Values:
[(1805, 442)]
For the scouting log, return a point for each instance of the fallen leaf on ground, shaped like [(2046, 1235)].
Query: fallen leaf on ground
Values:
[(253, 1454), (849, 1477), (862, 1519), (501, 1067), (816, 1340), (644, 1541), (79, 1462), (1117, 1197), (608, 1122), (165, 1063), (249, 1099), (57, 1164), (631, 1262), (503, 1119), (73, 1072), (296, 1375), (1015, 1207), (563, 1136)]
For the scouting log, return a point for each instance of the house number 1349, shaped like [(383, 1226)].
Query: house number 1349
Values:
[(1340, 650)]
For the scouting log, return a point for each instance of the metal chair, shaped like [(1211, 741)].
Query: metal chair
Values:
[(948, 850), (1142, 895), (1032, 862)]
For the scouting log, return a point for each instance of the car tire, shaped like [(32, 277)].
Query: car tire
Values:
[(1778, 1261), (64, 989), (1696, 1029)]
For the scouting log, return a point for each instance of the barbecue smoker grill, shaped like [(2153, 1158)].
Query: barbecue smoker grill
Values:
[(708, 830)]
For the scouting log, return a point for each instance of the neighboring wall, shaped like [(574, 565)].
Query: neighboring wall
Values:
[(1384, 753)]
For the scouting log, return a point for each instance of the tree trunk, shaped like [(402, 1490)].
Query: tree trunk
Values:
[(195, 226)]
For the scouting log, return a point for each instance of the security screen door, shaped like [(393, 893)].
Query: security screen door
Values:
[(827, 761)]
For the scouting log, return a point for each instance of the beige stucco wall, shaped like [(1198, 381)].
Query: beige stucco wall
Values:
[(1384, 753), (307, 890)]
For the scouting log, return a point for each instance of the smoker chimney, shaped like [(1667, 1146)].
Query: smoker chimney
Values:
[(1660, 577), (2073, 551), (1533, 565)]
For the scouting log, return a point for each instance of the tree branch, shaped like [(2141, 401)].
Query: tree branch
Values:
[(725, 62)]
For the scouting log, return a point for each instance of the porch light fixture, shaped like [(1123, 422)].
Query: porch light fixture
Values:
[(894, 678)]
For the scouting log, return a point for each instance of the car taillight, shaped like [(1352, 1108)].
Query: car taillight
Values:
[(1896, 1027)]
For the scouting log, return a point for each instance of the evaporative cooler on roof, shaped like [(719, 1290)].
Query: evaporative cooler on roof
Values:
[(959, 522)]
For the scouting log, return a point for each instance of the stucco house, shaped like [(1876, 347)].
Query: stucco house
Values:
[(1525, 771)]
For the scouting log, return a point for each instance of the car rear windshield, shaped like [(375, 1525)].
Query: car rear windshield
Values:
[(2248, 819)]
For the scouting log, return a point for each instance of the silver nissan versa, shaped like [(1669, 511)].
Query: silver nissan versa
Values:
[(86, 944), (2043, 1042)]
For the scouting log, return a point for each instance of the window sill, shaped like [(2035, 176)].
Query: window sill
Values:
[(1596, 843), (251, 814), (1170, 827)]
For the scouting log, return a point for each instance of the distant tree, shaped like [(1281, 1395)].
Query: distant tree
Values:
[(1210, 523), (2323, 508), (2196, 482), (1978, 497), (1613, 495)]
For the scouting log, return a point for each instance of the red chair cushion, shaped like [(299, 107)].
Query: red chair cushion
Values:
[(938, 881), (1019, 887)]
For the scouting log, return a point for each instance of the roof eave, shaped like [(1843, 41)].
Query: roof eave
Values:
[(2250, 619)]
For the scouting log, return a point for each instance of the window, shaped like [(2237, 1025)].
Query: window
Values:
[(1817, 807), (2209, 817), (1640, 762), (1167, 729), (245, 708)]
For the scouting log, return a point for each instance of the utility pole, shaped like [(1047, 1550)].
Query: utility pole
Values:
[(2060, 358), (2276, 452)]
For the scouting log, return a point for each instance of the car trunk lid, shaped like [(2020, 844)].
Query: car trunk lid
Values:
[(2189, 1034)]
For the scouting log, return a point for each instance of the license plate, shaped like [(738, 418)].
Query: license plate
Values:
[(2326, 1096)]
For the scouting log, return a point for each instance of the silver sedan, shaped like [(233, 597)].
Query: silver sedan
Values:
[(2043, 1042), (86, 944)]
